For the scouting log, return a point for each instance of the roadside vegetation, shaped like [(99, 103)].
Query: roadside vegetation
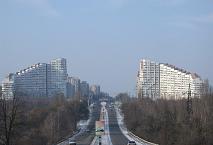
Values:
[(167, 122), (39, 121)]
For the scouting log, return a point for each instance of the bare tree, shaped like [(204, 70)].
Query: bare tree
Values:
[(9, 109)]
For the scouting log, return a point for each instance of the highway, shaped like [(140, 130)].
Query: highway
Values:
[(116, 135), (85, 137), (113, 133)]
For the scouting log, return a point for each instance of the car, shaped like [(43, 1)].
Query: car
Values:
[(101, 130), (131, 143), (71, 142), (87, 130)]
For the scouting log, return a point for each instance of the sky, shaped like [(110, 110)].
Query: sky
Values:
[(104, 40)]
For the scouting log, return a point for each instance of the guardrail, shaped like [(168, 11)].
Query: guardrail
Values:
[(136, 138), (67, 138), (140, 139), (94, 141), (74, 134)]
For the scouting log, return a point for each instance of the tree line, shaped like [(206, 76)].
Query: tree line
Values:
[(39, 121), (167, 122)]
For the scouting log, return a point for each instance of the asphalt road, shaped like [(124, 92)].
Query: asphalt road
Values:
[(86, 137), (116, 135)]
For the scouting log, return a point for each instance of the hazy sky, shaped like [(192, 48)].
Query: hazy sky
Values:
[(103, 40)]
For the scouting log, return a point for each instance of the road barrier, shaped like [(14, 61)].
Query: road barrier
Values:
[(61, 142), (122, 127), (94, 141), (140, 139)]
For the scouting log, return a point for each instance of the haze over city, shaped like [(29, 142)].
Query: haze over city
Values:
[(106, 72), (103, 41)]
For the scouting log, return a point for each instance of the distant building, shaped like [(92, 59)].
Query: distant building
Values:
[(38, 80), (148, 79), (8, 86), (33, 81), (84, 89), (58, 76), (75, 83), (160, 80), (70, 90), (95, 90), (174, 82)]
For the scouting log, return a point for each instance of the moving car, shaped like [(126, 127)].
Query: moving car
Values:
[(71, 142), (131, 143)]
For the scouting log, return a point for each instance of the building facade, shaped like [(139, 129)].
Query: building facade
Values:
[(32, 81), (95, 90), (70, 90), (161, 80), (148, 79), (58, 77), (84, 89), (38, 80), (8, 88), (75, 83)]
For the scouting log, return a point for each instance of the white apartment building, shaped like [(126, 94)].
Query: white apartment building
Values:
[(160, 80), (38, 80), (8, 86), (148, 79)]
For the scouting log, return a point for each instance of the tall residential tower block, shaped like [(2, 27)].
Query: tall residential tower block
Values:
[(162, 80), (38, 80)]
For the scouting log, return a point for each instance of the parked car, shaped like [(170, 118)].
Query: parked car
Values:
[(131, 143)]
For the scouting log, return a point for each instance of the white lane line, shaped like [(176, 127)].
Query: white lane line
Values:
[(107, 132), (105, 139), (95, 141)]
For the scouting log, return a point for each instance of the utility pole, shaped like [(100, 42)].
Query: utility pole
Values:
[(189, 103)]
